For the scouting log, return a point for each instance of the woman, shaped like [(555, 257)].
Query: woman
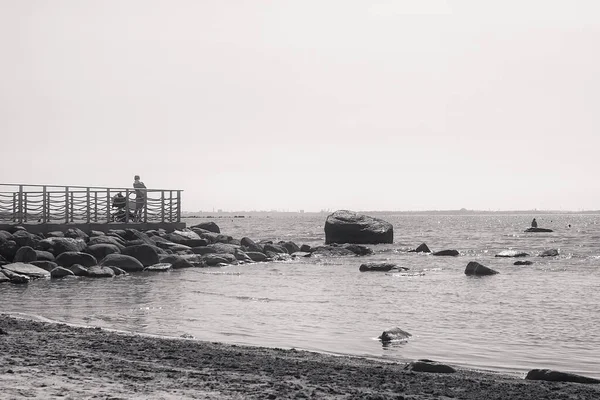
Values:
[(140, 198)]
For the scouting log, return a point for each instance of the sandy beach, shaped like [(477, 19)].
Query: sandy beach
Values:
[(41, 360)]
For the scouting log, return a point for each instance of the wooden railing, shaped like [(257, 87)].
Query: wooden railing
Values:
[(21, 203)]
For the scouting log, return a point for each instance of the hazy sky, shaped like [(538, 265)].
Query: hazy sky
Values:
[(364, 105)]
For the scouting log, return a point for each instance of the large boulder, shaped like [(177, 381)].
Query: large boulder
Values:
[(42, 255), (332, 251), (25, 254), (3, 278), (290, 246), (134, 234), (549, 253), (69, 258), (144, 253), (8, 249), (61, 244), (101, 250), (125, 262), (114, 240), (76, 233), (47, 265), (538, 230), (422, 248), (216, 259), (24, 238), (14, 277), (223, 248), (208, 226), (476, 269), (345, 226), (78, 270), (28, 270), (275, 248), (5, 235), (257, 256), (394, 334), (557, 376), (250, 245)]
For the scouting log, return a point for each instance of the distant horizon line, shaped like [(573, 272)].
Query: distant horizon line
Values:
[(456, 211)]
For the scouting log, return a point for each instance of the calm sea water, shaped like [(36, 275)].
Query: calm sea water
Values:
[(540, 316)]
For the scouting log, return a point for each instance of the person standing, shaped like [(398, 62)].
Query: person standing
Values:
[(534, 223), (140, 198)]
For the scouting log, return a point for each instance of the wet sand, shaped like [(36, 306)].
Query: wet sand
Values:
[(40, 360)]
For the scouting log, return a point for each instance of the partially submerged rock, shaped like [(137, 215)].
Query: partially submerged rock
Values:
[(557, 376), (536, 230), (447, 253), (512, 253), (394, 334), (526, 262), (549, 253), (422, 248), (28, 270), (380, 267), (476, 269)]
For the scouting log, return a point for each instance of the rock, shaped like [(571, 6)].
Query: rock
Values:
[(429, 366), (42, 255), (96, 233), (78, 270), (76, 233), (69, 258), (275, 248), (16, 278), (447, 253), (118, 271), (422, 248), (214, 259), (208, 226), (536, 230), (5, 235), (24, 238), (523, 262), (99, 271), (249, 245), (194, 242), (25, 254), (61, 245), (115, 241), (358, 249), (512, 253), (240, 255), (380, 267), (182, 263), (557, 376), (3, 278), (345, 226), (332, 251), (144, 253), (174, 247), (299, 254), (476, 269), (120, 233), (160, 267), (257, 256), (60, 272), (125, 262), (550, 253), (28, 270), (47, 265), (290, 246), (134, 234), (204, 250), (55, 234), (305, 248), (394, 334), (224, 248), (101, 250), (8, 249)]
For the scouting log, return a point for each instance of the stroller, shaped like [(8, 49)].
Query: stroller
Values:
[(119, 202)]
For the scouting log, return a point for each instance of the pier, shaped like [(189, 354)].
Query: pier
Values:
[(47, 208)]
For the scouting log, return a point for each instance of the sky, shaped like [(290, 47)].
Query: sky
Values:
[(290, 105)]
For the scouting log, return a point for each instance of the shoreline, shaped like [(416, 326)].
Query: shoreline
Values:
[(54, 360)]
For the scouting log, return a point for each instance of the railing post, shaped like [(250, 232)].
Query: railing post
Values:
[(67, 204), (44, 205), (88, 204), (179, 206), (20, 212), (14, 207), (107, 206), (170, 206), (25, 206), (127, 205), (162, 206), (146, 207), (95, 206), (72, 206)]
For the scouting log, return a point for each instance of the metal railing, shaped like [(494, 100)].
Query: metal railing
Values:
[(21, 203)]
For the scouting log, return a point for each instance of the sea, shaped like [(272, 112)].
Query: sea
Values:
[(544, 315)]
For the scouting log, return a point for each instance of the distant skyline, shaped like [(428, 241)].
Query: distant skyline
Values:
[(360, 105)]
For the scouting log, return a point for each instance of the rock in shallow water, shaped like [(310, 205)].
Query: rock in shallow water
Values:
[(430, 366), (345, 226), (557, 376), (476, 269), (394, 334), (381, 267)]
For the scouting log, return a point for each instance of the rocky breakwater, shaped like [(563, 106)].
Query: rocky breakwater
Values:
[(345, 226), (25, 256)]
